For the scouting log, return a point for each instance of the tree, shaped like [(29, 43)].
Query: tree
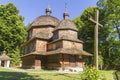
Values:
[(15, 55), (112, 13), (86, 28), (111, 10), (86, 32), (12, 31)]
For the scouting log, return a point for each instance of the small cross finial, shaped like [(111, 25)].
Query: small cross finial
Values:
[(65, 7), (48, 4), (48, 9), (4, 52), (65, 14)]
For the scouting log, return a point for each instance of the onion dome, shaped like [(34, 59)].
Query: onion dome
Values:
[(66, 24), (48, 10), (65, 15), (45, 20)]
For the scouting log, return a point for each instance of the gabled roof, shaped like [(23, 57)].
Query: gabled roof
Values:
[(44, 20)]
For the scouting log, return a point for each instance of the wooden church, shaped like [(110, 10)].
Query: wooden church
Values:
[(53, 44)]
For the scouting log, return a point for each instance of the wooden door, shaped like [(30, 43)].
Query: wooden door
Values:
[(72, 59)]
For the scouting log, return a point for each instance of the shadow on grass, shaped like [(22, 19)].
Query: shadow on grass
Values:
[(69, 76), (17, 76), (116, 75)]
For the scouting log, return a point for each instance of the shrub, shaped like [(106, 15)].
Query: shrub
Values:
[(90, 74)]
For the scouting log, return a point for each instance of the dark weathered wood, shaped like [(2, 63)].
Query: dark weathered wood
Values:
[(96, 21), (28, 61), (72, 60), (51, 45)]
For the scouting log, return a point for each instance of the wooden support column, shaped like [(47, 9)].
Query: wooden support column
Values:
[(0, 63)]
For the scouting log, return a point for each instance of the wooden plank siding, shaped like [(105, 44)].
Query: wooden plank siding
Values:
[(38, 62), (41, 45), (53, 61), (28, 61), (73, 34), (71, 44), (68, 60), (43, 29), (34, 62)]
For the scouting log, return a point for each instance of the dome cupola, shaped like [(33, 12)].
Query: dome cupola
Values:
[(48, 10)]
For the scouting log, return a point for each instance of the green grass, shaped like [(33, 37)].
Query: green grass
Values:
[(108, 75), (117, 74), (7, 74)]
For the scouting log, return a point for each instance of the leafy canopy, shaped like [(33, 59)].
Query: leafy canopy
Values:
[(12, 31), (106, 35)]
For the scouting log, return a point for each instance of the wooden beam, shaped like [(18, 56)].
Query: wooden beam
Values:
[(96, 21)]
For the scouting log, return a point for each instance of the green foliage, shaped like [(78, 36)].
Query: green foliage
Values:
[(15, 55), (107, 36), (86, 30), (112, 11), (100, 60), (114, 54), (12, 31), (90, 74)]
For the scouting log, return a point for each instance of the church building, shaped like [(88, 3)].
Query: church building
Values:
[(53, 44)]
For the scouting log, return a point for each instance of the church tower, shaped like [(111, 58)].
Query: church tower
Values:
[(65, 48), (39, 34)]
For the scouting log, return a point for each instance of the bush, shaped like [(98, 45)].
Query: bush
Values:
[(90, 74)]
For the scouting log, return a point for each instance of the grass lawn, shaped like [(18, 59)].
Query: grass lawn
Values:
[(9, 74), (108, 75), (117, 73), (6, 74)]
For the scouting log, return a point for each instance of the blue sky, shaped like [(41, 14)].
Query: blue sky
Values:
[(31, 9)]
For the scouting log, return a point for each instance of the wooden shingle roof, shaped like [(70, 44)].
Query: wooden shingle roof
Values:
[(44, 21), (72, 51), (66, 24)]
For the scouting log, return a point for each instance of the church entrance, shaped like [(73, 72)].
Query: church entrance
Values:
[(2, 63), (72, 61)]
